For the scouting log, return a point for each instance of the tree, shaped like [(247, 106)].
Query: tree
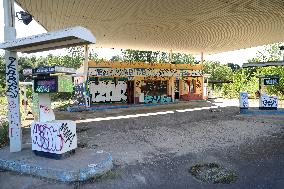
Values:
[(155, 56), (270, 53), (218, 71), (233, 66)]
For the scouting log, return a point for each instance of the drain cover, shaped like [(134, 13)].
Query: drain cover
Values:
[(213, 173)]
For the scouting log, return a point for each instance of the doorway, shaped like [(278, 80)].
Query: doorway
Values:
[(130, 92)]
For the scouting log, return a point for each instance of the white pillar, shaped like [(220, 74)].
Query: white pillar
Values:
[(86, 66), (12, 79)]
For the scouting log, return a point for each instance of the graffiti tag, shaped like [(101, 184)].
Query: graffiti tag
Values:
[(68, 135), (11, 77), (47, 138)]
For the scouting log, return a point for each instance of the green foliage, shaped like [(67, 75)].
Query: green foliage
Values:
[(270, 53), (4, 133), (246, 79), (242, 80), (273, 70), (153, 56), (143, 56), (218, 71), (180, 58)]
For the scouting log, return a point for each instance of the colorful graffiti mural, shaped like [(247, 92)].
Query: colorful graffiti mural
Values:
[(157, 99), (108, 91), (126, 72)]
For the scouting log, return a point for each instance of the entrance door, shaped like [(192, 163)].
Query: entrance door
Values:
[(130, 92)]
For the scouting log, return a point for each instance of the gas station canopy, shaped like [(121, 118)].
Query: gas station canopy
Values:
[(52, 40), (195, 26)]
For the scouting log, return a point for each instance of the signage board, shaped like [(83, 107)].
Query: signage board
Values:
[(271, 81), (45, 85), (44, 70)]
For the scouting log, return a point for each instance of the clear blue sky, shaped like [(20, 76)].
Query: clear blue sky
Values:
[(237, 57)]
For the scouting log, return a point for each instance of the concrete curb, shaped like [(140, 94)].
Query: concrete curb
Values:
[(80, 109), (59, 174), (280, 111)]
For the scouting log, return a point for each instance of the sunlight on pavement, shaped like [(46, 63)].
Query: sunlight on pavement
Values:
[(143, 115)]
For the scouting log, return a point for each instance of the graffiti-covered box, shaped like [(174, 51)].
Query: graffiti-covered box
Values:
[(54, 137), (268, 102)]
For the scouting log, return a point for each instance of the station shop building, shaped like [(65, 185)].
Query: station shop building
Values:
[(139, 82)]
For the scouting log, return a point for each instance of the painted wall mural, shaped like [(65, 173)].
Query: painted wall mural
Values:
[(54, 137), (108, 91), (79, 97), (244, 103), (126, 72), (157, 99)]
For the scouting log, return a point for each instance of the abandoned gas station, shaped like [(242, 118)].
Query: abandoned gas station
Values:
[(139, 82), (198, 27)]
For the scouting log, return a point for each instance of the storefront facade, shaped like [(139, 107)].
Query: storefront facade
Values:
[(138, 82)]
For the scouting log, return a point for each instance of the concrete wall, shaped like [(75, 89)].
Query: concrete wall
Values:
[(108, 91)]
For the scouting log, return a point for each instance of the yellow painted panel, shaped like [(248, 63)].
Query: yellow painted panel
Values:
[(109, 64)]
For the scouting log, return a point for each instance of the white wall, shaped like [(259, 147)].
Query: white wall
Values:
[(107, 91)]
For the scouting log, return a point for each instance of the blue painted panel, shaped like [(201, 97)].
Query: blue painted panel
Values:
[(157, 99)]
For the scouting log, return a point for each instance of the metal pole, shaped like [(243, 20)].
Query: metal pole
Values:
[(12, 79)]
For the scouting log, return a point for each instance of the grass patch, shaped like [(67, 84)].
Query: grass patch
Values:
[(213, 173)]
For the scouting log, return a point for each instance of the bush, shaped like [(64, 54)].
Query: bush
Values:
[(4, 133)]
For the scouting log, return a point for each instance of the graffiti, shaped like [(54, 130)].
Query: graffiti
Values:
[(269, 101), (13, 99), (47, 138), (11, 77), (198, 83), (131, 72), (48, 85), (244, 100), (45, 109), (12, 104), (271, 81), (54, 137), (108, 91), (68, 135), (157, 99), (79, 90)]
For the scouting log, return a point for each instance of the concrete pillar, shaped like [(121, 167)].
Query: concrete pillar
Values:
[(171, 88), (137, 89), (12, 79), (86, 66)]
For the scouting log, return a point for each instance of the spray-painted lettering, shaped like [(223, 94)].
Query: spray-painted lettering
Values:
[(11, 77), (54, 137)]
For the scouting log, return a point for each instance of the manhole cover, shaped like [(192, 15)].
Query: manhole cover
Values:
[(213, 173)]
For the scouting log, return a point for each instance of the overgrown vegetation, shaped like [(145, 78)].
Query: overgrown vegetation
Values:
[(246, 79), (4, 133), (130, 55)]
